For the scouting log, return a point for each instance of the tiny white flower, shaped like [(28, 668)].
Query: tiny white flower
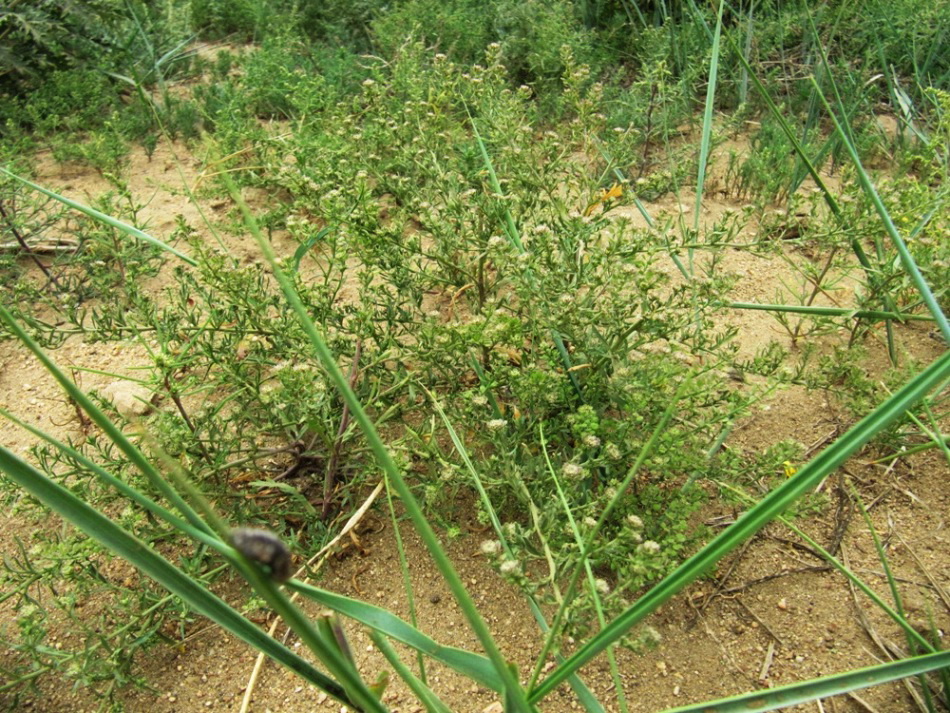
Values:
[(496, 424), (601, 586), (590, 522), (572, 471), (480, 400), (650, 547), (635, 522), (651, 635), (490, 547), (591, 441), (510, 567)]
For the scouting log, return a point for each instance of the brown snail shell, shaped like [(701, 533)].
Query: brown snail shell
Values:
[(264, 548)]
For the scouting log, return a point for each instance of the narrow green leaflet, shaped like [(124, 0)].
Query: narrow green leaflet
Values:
[(474, 666), (385, 460), (837, 684), (103, 218), (707, 118), (831, 311)]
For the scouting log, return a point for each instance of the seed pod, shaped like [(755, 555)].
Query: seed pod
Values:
[(264, 548)]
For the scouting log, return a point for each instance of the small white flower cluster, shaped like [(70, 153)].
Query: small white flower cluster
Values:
[(490, 547), (572, 471), (496, 424), (510, 567), (649, 547)]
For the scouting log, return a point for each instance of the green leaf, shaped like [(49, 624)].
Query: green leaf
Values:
[(831, 311), (103, 218), (306, 245), (474, 666), (834, 685), (114, 433), (387, 464)]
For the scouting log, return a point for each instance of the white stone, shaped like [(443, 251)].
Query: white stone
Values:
[(130, 399)]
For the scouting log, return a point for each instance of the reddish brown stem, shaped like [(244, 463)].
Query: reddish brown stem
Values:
[(330, 479), (23, 244)]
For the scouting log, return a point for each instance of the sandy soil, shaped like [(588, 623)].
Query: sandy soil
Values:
[(769, 615)]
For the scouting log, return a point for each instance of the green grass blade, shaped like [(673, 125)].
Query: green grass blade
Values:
[(592, 535), (912, 644), (386, 463), (755, 519), (591, 582), (111, 430), (106, 532), (584, 695), (707, 118), (103, 218), (907, 259), (124, 488), (306, 245), (793, 694), (425, 694), (474, 666), (831, 311), (514, 236), (826, 193), (404, 569), (843, 569)]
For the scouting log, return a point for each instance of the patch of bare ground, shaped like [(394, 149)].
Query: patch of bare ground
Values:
[(770, 614)]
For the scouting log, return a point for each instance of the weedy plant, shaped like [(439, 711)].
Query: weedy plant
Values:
[(458, 309)]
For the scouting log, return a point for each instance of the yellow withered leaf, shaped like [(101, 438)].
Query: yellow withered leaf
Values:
[(615, 191)]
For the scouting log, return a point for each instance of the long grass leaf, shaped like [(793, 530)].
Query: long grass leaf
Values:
[(793, 694), (907, 259), (514, 237), (473, 666), (621, 490), (114, 433), (707, 118), (425, 694), (124, 488), (755, 519), (96, 525), (584, 695), (830, 311), (103, 218)]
